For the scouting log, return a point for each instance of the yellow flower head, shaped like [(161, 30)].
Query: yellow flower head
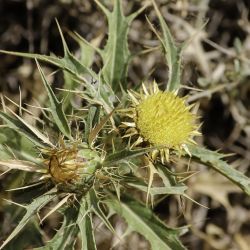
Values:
[(162, 119)]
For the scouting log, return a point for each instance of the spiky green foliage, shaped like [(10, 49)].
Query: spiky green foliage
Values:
[(172, 53), (215, 160), (89, 170)]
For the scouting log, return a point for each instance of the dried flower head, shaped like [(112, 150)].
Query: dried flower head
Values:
[(161, 119), (71, 167)]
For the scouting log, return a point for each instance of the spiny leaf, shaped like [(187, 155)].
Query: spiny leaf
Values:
[(178, 189), (94, 132), (35, 131), (106, 96), (167, 176), (56, 107), (64, 238), (95, 206), (99, 93), (21, 127), (92, 119), (70, 64), (78, 66), (69, 84), (116, 54), (21, 147), (57, 206), (143, 221), (214, 160), (172, 53), (152, 171), (22, 165), (86, 59), (31, 210), (30, 236), (125, 154), (85, 225), (88, 49)]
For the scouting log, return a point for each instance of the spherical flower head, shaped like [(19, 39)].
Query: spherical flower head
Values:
[(163, 119)]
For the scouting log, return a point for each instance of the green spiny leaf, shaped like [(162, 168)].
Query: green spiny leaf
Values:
[(166, 175), (106, 96), (99, 93), (172, 53), (88, 49), (143, 221), (19, 144), (56, 107), (70, 64), (85, 225), (31, 235), (116, 54), (21, 128), (71, 61), (125, 154), (64, 238), (214, 160), (22, 165), (31, 210), (94, 132), (95, 206), (93, 112), (178, 189), (69, 84)]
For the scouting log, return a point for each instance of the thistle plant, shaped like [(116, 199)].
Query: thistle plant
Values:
[(91, 160)]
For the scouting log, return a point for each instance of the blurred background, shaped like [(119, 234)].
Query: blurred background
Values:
[(216, 73)]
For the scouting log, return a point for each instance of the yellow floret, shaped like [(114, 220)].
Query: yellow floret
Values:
[(164, 120)]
